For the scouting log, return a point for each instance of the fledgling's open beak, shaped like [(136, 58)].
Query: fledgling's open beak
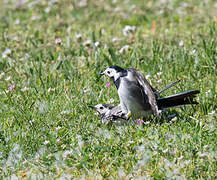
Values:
[(93, 107)]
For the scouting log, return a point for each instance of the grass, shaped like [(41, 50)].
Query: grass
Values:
[(46, 128)]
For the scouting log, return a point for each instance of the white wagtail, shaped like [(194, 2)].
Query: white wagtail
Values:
[(109, 113), (138, 97)]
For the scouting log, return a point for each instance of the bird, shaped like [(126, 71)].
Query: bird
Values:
[(109, 113), (138, 98)]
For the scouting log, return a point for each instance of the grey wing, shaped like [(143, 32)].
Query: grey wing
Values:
[(117, 113), (147, 90), (142, 76)]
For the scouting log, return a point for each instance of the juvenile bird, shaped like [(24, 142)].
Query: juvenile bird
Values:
[(139, 98), (109, 113)]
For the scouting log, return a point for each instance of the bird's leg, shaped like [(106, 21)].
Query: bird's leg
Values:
[(125, 113), (128, 115)]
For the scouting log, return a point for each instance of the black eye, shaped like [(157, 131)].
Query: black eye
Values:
[(101, 107), (108, 72)]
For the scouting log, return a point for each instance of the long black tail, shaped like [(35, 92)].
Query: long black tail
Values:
[(179, 99)]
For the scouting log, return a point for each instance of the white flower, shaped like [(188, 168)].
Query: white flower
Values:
[(146, 122), (141, 148), (180, 158), (202, 154), (78, 36), (66, 153), (2, 74), (181, 43), (121, 174), (15, 38), (165, 150), (65, 112), (161, 11), (25, 89), (205, 146), (36, 18), (96, 44), (87, 42), (132, 6), (58, 128), (52, 2), (159, 73), (46, 142), (6, 53), (111, 100), (124, 49), (128, 29), (115, 39), (147, 76), (159, 80), (50, 89), (17, 21), (174, 119), (82, 3), (47, 10), (8, 78), (104, 133), (212, 112), (192, 52)]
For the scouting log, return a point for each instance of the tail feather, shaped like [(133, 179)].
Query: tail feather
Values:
[(179, 99)]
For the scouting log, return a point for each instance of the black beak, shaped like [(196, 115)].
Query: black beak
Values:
[(102, 73), (93, 107)]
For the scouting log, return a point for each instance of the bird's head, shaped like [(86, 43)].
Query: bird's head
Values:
[(101, 108), (114, 72)]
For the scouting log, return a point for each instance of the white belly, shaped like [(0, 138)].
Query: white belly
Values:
[(127, 100)]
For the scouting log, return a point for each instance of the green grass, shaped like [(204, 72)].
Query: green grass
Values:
[(46, 128)]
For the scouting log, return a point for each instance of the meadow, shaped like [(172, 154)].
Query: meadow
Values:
[(51, 54)]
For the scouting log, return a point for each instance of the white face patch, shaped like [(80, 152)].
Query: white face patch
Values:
[(101, 109), (117, 75), (112, 73)]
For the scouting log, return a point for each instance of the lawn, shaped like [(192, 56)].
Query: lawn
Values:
[(51, 54)]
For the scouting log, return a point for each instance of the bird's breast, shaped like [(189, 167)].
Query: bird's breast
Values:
[(130, 95)]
